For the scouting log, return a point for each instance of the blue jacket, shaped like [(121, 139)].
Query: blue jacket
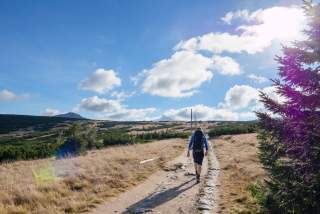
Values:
[(204, 141)]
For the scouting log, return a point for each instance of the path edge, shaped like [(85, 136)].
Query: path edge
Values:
[(209, 192)]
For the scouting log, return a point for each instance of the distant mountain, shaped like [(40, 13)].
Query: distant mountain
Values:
[(71, 115)]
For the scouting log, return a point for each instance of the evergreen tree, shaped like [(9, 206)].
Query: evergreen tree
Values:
[(290, 138)]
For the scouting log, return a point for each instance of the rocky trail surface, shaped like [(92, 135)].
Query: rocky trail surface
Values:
[(172, 190)]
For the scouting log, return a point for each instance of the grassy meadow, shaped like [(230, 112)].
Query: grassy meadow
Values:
[(102, 160)]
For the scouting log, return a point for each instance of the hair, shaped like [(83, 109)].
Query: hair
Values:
[(199, 133)]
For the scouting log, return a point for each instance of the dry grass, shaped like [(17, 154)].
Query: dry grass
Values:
[(77, 184), (240, 168)]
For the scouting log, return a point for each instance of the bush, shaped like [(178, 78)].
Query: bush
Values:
[(231, 129), (116, 137), (149, 136), (31, 150), (79, 139)]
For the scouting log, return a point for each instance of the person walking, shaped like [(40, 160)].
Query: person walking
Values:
[(198, 142)]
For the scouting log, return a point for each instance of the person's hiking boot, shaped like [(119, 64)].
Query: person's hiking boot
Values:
[(198, 178)]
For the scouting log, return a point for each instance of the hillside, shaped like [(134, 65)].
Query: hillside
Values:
[(12, 122), (71, 115)]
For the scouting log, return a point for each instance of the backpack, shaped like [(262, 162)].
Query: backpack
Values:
[(197, 140)]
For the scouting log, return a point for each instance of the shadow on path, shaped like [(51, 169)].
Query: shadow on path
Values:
[(159, 198)]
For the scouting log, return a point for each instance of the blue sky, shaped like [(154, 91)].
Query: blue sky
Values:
[(141, 60)]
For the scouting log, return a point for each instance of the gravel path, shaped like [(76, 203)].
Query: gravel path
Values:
[(173, 190)]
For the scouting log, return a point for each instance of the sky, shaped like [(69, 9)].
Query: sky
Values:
[(143, 60)]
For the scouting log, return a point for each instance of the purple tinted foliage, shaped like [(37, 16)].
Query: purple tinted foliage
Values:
[(297, 120)]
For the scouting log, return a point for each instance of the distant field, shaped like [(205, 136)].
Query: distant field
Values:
[(34, 137)]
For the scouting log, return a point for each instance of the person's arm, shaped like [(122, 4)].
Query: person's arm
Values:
[(190, 145), (206, 145)]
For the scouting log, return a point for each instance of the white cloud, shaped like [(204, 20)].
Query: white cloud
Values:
[(122, 95), (247, 97), (96, 104), (257, 78), (281, 23), (6, 95), (187, 69), (271, 24), (183, 73), (227, 18), (101, 81), (203, 112), (137, 78), (114, 110), (51, 112), (178, 76), (225, 65), (224, 42), (131, 114), (240, 96), (239, 14), (239, 103)]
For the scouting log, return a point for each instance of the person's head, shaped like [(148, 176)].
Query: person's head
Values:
[(199, 132)]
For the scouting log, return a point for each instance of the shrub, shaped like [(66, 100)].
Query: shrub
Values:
[(30, 150), (116, 137), (231, 129)]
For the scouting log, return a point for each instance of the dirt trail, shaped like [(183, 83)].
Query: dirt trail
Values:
[(173, 190)]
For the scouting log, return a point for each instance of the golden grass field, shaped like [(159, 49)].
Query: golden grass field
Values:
[(240, 168), (77, 184)]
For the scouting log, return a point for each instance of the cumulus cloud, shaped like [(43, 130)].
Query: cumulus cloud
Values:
[(183, 73), (6, 95), (254, 37), (203, 112), (96, 104), (257, 78), (225, 65), (240, 96), (122, 95), (244, 97), (114, 109), (239, 14), (51, 112), (178, 76), (224, 42), (101, 81), (142, 114), (239, 103), (138, 77)]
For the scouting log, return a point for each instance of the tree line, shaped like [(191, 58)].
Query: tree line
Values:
[(231, 129)]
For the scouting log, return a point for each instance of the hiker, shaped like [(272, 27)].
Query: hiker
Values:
[(198, 142)]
